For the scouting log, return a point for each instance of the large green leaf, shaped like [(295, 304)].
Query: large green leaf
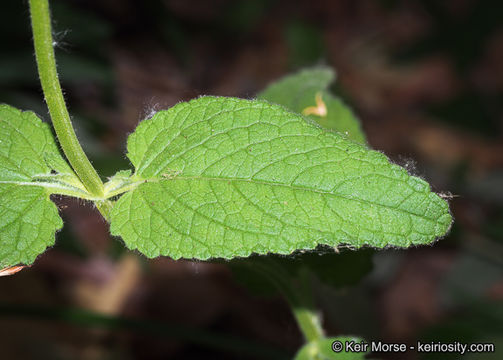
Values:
[(31, 168), (225, 177), (299, 91)]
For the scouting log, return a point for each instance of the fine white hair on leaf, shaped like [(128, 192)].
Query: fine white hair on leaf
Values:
[(409, 164), (150, 108), (447, 195), (195, 266)]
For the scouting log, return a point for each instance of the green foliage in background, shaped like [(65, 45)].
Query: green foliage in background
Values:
[(299, 91)]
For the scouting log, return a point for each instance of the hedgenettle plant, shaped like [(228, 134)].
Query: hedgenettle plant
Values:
[(218, 178)]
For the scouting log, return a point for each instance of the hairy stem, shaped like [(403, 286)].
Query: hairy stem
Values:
[(104, 207), (44, 52)]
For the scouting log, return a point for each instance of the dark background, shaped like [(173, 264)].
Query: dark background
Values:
[(425, 78)]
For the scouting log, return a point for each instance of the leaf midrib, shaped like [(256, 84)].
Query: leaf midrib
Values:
[(54, 188), (294, 187)]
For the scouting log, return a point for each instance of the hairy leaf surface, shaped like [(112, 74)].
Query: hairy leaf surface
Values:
[(299, 91), (31, 168), (225, 177)]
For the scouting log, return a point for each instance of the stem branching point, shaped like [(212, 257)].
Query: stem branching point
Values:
[(44, 52)]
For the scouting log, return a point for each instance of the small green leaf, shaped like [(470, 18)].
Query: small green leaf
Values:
[(31, 168), (298, 92), (225, 177)]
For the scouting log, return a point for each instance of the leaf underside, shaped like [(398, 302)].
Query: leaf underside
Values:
[(225, 177), (29, 158)]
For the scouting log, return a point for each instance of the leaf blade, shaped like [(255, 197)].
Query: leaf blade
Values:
[(28, 158), (225, 177), (28, 223)]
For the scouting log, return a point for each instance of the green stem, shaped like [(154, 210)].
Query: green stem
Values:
[(298, 294), (309, 323), (305, 311), (104, 207), (44, 52)]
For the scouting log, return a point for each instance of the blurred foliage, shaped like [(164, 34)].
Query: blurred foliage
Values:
[(305, 44), (479, 323), (85, 318), (462, 35), (242, 16), (329, 267), (308, 89)]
